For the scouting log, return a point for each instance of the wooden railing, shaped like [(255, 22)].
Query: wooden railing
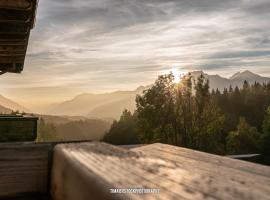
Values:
[(92, 170)]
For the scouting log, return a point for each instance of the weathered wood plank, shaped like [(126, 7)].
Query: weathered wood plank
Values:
[(89, 170), (24, 168), (178, 153)]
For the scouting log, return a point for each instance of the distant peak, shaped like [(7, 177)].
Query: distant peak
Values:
[(235, 75), (244, 75), (248, 72)]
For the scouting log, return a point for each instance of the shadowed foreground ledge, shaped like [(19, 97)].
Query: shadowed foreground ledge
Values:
[(86, 171)]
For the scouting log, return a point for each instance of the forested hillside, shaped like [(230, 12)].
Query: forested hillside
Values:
[(57, 128), (235, 120)]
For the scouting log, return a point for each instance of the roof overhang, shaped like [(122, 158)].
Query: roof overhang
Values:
[(17, 18)]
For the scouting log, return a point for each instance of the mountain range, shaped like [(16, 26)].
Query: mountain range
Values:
[(111, 105), (107, 105), (237, 79)]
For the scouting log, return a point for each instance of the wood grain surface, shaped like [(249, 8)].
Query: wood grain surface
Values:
[(85, 171)]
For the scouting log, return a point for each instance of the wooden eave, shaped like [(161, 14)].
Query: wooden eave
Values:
[(17, 18)]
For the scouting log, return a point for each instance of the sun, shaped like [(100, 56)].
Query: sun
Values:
[(177, 75)]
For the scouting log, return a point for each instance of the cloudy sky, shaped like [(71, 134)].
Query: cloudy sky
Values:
[(82, 46)]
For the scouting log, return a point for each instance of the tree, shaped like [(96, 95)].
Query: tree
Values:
[(184, 106), (187, 114), (200, 112), (211, 135), (156, 112), (246, 139), (266, 133), (177, 114), (123, 132), (202, 93)]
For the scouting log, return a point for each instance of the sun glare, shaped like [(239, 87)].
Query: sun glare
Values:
[(176, 72), (177, 75)]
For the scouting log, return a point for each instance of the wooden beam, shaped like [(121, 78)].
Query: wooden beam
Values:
[(9, 15), (16, 4), (11, 59), (16, 28), (89, 170), (12, 48), (13, 37)]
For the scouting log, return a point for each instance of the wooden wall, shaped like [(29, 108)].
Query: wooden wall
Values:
[(24, 168)]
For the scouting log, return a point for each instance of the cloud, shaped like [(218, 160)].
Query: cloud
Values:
[(100, 45), (241, 54)]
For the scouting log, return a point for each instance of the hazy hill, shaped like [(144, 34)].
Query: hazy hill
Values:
[(111, 105), (67, 128), (114, 109), (89, 129), (4, 110), (106, 105), (7, 103)]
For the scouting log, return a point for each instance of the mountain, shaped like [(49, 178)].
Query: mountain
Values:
[(248, 76), (235, 76), (107, 105), (111, 105), (4, 110), (114, 109), (7, 103), (237, 79), (216, 81)]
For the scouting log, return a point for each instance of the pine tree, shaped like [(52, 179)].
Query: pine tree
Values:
[(124, 131)]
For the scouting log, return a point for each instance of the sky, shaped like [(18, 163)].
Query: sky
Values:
[(80, 46)]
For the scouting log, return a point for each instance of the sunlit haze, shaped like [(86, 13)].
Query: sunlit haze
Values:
[(96, 46)]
